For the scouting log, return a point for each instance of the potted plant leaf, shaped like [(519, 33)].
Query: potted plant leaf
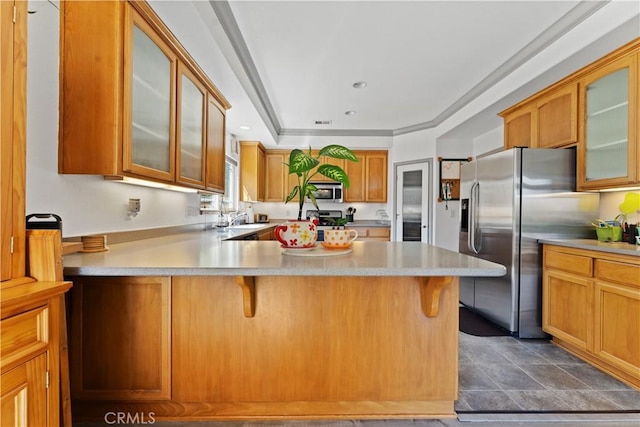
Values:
[(301, 233), (303, 164)]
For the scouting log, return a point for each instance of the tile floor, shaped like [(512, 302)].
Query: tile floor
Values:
[(513, 375)]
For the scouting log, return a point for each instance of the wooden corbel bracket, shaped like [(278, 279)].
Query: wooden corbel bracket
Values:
[(430, 291), (248, 285)]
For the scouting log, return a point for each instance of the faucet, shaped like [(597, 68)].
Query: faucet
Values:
[(236, 217)]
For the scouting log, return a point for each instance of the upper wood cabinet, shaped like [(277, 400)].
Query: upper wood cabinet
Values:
[(13, 86), (547, 120), (518, 127), (557, 117), (608, 153), (368, 177), (278, 181), (265, 177), (132, 101), (215, 145), (597, 110), (252, 171)]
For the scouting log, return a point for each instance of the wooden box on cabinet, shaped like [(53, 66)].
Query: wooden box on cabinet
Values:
[(115, 120)]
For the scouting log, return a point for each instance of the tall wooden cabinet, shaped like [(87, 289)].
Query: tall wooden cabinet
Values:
[(31, 310), (13, 53), (133, 103)]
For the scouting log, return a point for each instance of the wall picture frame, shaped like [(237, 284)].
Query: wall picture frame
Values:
[(449, 172)]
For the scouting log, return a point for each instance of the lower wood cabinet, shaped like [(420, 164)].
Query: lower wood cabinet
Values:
[(30, 349), (591, 306), (120, 338), (372, 233)]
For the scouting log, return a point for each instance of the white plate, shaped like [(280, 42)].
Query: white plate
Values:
[(302, 249), (319, 252)]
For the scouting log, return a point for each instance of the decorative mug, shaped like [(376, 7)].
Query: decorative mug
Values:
[(296, 234), (339, 239)]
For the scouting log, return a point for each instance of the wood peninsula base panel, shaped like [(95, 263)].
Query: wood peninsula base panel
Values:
[(315, 347)]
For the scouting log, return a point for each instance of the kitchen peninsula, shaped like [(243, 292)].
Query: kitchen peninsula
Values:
[(192, 326)]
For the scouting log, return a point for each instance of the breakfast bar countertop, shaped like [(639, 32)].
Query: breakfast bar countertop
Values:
[(204, 253), (620, 248)]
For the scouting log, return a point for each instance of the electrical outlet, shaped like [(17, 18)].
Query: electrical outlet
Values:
[(134, 205)]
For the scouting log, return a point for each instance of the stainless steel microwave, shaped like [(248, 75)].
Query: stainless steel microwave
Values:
[(328, 191)]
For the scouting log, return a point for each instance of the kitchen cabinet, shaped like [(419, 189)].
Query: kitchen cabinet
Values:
[(31, 310), (557, 117), (133, 102), (367, 176), (591, 306), (131, 359), (608, 153), (372, 233), (191, 138), (327, 161), (30, 367), (215, 145), (547, 120), (13, 34), (264, 175), (252, 171), (518, 127), (568, 297), (278, 181)]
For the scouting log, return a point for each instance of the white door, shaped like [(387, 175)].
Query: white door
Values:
[(413, 202)]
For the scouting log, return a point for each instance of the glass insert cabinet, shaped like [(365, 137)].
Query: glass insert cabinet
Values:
[(167, 113), (608, 153), (135, 103)]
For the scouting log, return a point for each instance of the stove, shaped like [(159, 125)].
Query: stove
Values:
[(325, 217)]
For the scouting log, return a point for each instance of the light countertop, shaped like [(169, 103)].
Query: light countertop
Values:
[(620, 248), (208, 253)]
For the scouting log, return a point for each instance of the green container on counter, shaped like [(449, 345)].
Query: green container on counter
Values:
[(609, 234)]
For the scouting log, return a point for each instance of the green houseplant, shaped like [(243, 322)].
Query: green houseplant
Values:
[(306, 166)]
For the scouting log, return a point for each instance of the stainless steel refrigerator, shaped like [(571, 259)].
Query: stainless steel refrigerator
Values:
[(509, 200)]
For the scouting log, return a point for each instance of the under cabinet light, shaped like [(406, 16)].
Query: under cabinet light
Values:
[(151, 184)]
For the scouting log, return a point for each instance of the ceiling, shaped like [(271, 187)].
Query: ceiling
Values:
[(421, 60)]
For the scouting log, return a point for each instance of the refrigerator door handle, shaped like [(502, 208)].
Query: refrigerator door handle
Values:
[(477, 231), (473, 218)]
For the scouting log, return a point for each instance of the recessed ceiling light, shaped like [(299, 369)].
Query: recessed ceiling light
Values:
[(245, 127), (360, 85), (349, 113)]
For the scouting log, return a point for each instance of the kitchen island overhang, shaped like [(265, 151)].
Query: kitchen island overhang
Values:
[(257, 334)]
